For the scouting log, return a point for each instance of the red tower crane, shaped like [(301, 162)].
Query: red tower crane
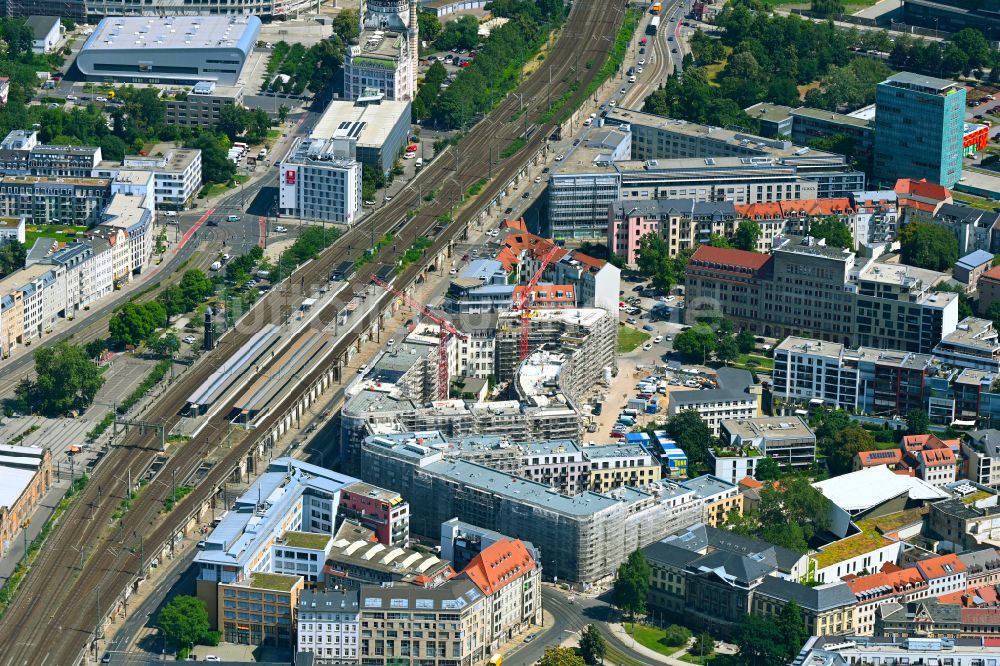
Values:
[(447, 331), (521, 300)]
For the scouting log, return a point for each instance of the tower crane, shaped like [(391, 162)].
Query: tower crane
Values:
[(446, 328), (521, 301)]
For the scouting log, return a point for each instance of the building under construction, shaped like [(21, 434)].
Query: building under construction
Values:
[(587, 337)]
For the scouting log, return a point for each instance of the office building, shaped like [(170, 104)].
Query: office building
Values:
[(734, 397), (382, 511), (583, 537), (318, 180), (202, 105), (354, 559), (92, 11), (714, 578), (25, 477), (919, 129), (281, 527), (888, 306), (372, 130), (786, 439), (673, 159), (809, 125), (385, 54), (841, 651), (774, 119), (169, 49), (176, 174)]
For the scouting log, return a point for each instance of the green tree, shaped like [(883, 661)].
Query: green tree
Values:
[(975, 47), (759, 641), (216, 166), (727, 350), (696, 343), (692, 435), (632, 584), (747, 235), (135, 322), (283, 111), (841, 447), (675, 635), (347, 25), (993, 312), (232, 121), (196, 287), (183, 620), (834, 231), (718, 240), (917, 422), (653, 259), (167, 346), (65, 378), (429, 26), (745, 341), (561, 656), (792, 628), (825, 8), (462, 33), (12, 256), (593, 646), (767, 469), (703, 646), (928, 245)]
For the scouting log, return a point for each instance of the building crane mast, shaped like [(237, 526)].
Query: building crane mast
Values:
[(521, 301), (446, 327)]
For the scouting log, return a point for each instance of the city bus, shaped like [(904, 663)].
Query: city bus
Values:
[(653, 25)]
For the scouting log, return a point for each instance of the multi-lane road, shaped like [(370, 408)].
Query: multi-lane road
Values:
[(53, 617)]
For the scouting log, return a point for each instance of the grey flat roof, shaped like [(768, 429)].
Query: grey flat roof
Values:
[(921, 81), (733, 386), (830, 116), (770, 112), (172, 32)]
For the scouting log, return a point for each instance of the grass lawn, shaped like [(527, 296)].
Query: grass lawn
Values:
[(976, 202), (218, 188), (651, 637), (712, 71), (273, 133), (713, 660), (762, 362), (630, 338), (61, 232)]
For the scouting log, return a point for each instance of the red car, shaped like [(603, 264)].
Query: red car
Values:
[(472, 54), (465, 63), (616, 434)]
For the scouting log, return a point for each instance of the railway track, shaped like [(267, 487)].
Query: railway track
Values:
[(53, 617)]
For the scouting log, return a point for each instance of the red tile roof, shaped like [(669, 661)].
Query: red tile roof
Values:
[(880, 457), (750, 482), (724, 256), (993, 273), (981, 616), (937, 457), (499, 564), (940, 566), (794, 208), (922, 188), (903, 580)]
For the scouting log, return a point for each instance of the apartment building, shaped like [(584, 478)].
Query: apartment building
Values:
[(328, 625), (461, 542), (12, 228), (973, 227), (613, 466), (876, 217), (202, 106), (54, 200), (21, 154), (683, 223), (806, 288), (981, 457), (919, 128), (974, 344), (129, 213), (176, 174), (319, 181), (25, 478), (384, 512), (874, 590), (258, 609), (582, 537), (735, 397)]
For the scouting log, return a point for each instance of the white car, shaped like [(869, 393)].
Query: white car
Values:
[(642, 61), (638, 70), (188, 339), (538, 179), (211, 657), (453, 272), (613, 103), (70, 98), (280, 229), (647, 346), (100, 99), (658, 339)]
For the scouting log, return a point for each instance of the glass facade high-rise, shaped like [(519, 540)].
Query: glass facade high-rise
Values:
[(919, 124)]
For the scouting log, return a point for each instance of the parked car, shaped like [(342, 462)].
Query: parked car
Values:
[(188, 339)]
